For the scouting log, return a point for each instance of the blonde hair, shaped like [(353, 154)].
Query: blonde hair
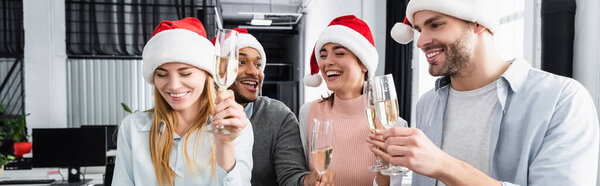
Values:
[(161, 140)]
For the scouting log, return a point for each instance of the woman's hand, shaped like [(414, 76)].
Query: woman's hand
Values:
[(312, 179), (229, 114)]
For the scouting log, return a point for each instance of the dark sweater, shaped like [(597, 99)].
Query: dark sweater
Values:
[(278, 154)]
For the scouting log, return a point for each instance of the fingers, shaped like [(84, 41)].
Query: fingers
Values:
[(228, 112), (224, 95), (377, 141), (225, 100), (376, 137), (398, 132), (378, 152), (328, 178)]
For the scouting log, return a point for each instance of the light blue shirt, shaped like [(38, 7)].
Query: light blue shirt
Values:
[(134, 166), (546, 131), (248, 109)]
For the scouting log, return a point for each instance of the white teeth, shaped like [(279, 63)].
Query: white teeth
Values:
[(433, 54), (177, 95), (249, 82), (329, 73)]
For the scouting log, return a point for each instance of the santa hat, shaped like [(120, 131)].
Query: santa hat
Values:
[(247, 40), (478, 11), (352, 33), (182, 41)]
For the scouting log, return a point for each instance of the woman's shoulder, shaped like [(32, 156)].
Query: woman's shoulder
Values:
[(137, 120)]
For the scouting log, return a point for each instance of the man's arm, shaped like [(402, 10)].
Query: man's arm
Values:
[(569, 153), (289, 158)]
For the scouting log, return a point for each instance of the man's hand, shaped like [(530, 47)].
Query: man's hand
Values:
[(410, 147)]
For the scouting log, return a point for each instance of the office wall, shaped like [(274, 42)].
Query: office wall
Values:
[(45, 62), (318, 16), (97, 87)]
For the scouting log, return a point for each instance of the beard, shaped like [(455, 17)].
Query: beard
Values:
[(458, 57), (236, 87), (239, 98)]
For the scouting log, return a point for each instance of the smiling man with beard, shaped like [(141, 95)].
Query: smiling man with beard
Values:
[(488, 121), (277, 152)]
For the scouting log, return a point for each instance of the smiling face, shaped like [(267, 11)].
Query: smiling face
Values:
[(341, 69), (250, 76), (180, 84), (446, 41)]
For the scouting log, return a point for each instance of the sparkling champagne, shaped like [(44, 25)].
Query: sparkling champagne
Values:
[(371, 118), (386, 112), (322, 158), (226, 69)]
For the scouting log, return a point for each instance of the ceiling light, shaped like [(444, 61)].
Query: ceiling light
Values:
[(261, 22)]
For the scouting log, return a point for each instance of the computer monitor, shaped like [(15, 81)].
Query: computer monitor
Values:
[(69, 147), (111, 135)]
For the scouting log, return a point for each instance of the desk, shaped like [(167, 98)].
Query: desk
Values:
[(45, 173)]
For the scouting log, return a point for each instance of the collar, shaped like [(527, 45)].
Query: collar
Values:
[(148, 123), (248, 109), (515, 75)]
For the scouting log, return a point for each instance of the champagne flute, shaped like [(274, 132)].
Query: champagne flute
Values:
[(322, 145), (226, 64), (372, 122), (386, 112)]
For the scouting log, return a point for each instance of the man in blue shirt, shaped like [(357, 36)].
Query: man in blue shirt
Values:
[(488, 121)]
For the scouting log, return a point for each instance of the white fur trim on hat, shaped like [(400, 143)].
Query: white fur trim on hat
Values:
[(247, 40), (352, 40), (482, 12), (402, 33), (177, 45)]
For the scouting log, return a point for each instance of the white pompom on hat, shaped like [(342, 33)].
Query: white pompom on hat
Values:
[(481, 12), (182, 41), (352, 33)]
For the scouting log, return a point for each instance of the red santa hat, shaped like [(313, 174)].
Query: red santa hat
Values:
[(182, 41), (352, 33), (478, 11)]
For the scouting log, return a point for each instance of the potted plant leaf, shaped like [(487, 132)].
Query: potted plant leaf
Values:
[(4, 159), (17, 130)]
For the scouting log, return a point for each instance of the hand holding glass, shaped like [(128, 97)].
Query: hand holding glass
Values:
[(226, 64), (386, 112)]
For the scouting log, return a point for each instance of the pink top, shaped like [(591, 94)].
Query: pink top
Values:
[(351, 155)]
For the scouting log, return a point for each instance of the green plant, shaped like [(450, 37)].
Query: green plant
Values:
[(17, 128), (5, 159), (126, 108)]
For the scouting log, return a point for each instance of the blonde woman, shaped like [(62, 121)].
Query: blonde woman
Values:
[(169, 144)]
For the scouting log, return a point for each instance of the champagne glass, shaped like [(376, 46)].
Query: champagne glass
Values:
[(322, 145), (386, 112), (372, 122), (226, 63)]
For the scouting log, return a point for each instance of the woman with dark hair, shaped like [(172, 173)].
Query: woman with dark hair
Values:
[(345, 55)]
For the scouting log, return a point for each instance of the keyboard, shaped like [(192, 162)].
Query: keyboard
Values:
[(26, 181)]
